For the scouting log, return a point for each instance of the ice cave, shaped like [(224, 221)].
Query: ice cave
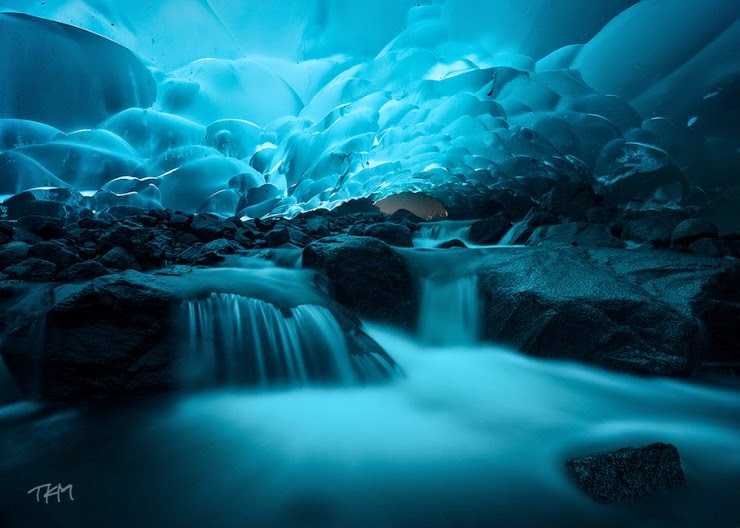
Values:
[(329, 263)]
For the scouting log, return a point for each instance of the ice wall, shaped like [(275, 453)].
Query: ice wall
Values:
[(253, 108)]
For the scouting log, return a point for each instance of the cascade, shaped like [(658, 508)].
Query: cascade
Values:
[(232, 339), (450, 311)]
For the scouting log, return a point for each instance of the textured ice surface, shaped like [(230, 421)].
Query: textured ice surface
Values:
[(195, 104)]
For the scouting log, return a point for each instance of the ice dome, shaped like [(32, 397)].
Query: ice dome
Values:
[(324, 100)]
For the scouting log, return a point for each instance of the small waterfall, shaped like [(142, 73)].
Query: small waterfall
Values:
[(234, 339), (450, 312), (433, 233)]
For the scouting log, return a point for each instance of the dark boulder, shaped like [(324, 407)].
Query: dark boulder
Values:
[(278, 237), (44, 226), (451, 244), (58, 253), (13, 253), (120, 259), (711, 247), (628, 474), (570, 199), (390, 233), (109, 338), (489, 231), (89, 269), (691, 230), (522, 230), (654, 227), (365, 275), (574, 234), (32, 269), (537, 300)]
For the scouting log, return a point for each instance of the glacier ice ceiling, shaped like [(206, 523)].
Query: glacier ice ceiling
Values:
[(258, 108)]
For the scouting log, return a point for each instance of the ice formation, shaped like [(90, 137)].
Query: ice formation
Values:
[(254, 109)]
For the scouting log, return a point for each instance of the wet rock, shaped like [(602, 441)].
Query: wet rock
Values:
[(277, 237), (537, 299), (691, 230), (654, 227), (32, 269), (109, 338), (628, 474), (570, 199), (390, 233), (598, 215), (451, 244), (489, 231), (521, 231), (54, 252), (207, 227), (89, 269), (574, 234), (13, 253), (44, 226), (120, 259), (365, 275), (710, 247)]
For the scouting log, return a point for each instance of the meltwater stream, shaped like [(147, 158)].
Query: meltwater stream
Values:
[(474, 435)]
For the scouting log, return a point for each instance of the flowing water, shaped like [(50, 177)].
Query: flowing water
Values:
[(432, 234), (232, 339), (473, 435), (450, 311)]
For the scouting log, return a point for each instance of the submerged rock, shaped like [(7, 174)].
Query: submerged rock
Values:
[(628, 474)]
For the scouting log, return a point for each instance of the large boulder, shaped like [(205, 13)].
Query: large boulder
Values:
[(132, 333), (365, 275), (628, 474), (563, 303), (110, 337), (574, 234)]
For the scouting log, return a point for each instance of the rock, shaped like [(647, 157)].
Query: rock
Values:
[(521, 231), (277, 237), (536, 300), (700, 288), (570, 199), (54, 252), (655, 227), (451, 244), (628, 474), (120, 259), (406, 218), (390, 233), (711, 247), (366, 276), (93, 223), (220, 246), (358, 205), (109, 338), (206, 227), (598, 215), (44, 226), (574, 234), (13, 253), (489, 231), (32, 269), (86, 270), (691, 230)]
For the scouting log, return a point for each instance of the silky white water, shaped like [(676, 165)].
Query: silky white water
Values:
[(450, 311), (473, 436), (234, 339)]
